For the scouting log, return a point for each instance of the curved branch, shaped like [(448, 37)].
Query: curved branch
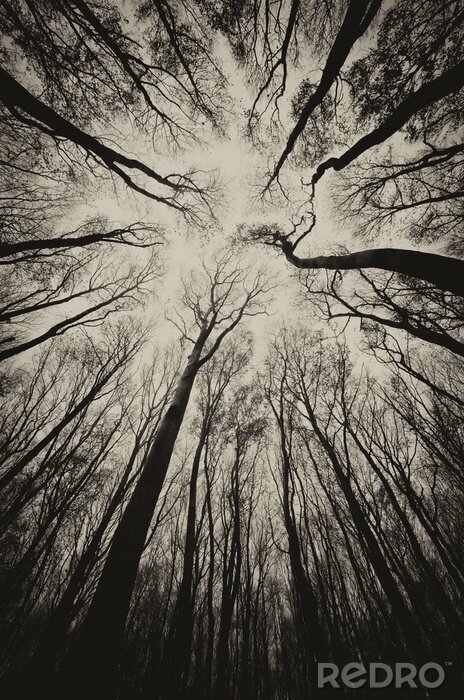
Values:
[(14, 96), (115, 236), (357, 19), (443, 272), (447, 83)]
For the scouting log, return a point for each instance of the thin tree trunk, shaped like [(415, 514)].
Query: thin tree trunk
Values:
[(9, 475), (230, 583), (445, 84), (209, 653), (359, 15), (400, 609), (62, 326), (179, 643)]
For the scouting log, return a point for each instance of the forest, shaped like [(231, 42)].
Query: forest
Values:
[(231, 348)]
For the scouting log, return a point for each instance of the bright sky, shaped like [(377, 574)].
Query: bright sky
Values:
[(239, 167)]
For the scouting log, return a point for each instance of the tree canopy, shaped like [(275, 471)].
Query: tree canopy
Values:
[(231, 346)]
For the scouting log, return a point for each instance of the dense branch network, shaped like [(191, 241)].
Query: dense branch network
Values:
[(217, 471)]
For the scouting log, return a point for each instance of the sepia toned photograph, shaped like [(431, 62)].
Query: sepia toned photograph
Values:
[(231, 350)]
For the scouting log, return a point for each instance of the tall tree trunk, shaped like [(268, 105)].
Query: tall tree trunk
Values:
[(414, 643), (37, 676), (306, 597), (92, 664), (230, 583), (177, 656), (313, 635), (209, 652)]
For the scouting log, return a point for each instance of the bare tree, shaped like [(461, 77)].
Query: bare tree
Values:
[(111, 295), (217, 307), (213, 515), (418, 310)]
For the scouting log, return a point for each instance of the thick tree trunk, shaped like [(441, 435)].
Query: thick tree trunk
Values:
[(15, 97), (8, 249), (440, 270), (91, 667), (38, 675)]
